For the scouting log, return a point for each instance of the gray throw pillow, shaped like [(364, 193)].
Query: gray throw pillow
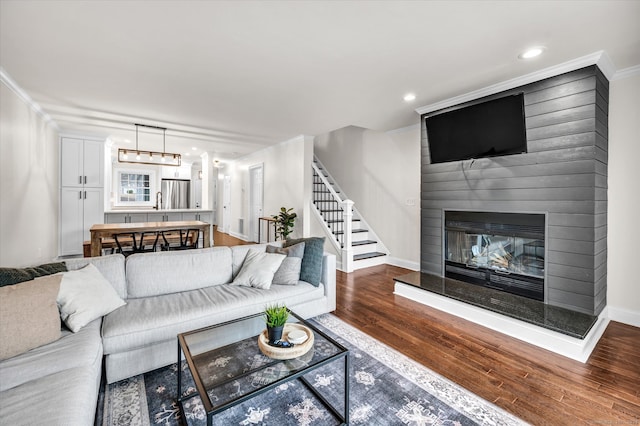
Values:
[(311, 270), (289, 271)]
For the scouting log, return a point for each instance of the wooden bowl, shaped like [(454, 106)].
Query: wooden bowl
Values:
[(286, 353)]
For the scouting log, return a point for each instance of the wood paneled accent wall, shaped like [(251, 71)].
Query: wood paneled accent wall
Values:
[(564, 173)]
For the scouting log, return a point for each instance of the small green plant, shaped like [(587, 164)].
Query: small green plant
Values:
[(284, 222), (276, 315)]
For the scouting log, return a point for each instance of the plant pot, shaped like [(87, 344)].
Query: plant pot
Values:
[(274, 333)]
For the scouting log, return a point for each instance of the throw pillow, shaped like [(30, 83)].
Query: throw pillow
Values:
[(29, 315), (289, 272), (311, 270), (258, 269), (86, 295), (11, 276)]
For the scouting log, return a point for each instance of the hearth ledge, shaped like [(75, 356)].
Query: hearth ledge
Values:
[(570, 347)]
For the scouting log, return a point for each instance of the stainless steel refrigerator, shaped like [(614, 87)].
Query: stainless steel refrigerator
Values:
[(175, 194)]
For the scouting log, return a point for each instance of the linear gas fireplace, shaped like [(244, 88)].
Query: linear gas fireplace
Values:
[(504, 251)]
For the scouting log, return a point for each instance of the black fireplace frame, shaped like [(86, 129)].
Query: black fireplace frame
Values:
[(521, 225)]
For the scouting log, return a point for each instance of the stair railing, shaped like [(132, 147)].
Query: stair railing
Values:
[(339, 222)]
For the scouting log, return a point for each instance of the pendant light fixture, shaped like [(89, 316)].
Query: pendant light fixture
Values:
[(150, 157)]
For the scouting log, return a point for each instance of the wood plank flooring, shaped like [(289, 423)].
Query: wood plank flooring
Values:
[(534, 384)]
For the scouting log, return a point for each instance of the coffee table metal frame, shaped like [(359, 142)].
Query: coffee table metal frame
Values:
[(183, 348)]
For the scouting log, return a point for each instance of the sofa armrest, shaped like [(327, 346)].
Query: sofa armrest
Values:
[(329, 279)]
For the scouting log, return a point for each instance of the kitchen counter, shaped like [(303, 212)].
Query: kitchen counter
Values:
[(151, 210)]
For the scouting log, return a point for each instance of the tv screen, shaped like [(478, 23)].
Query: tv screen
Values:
[(487, 129)]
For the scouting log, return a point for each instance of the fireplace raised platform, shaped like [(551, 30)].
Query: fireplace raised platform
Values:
[(569, 333)]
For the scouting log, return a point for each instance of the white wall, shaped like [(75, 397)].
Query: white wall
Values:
[(28, 183), (380, 172), (287, 183), (623, 236)]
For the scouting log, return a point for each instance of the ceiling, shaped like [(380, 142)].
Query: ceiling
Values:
[(232, 77)]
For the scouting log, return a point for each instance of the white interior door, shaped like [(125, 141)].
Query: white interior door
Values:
[(256, 188), (226, 204)]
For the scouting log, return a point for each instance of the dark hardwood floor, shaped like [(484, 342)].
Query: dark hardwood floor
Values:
[(534, 384)]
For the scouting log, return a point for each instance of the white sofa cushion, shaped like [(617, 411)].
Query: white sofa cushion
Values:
[(149, 320), (258, 269), (153, 274), (85, 295), (71, 350), (111, 267)]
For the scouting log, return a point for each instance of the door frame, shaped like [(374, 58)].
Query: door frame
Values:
[(253, 230)]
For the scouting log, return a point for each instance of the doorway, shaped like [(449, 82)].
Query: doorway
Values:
[(256, 191), (226, 204)]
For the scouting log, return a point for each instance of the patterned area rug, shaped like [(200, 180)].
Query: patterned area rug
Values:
[(386, 388)]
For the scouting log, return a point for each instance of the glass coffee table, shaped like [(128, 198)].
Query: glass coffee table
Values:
[(228, 368)]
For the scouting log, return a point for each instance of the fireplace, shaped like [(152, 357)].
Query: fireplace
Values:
[(504, 251)]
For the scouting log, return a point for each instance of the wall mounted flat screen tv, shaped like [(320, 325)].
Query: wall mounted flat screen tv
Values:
[(488, 129)]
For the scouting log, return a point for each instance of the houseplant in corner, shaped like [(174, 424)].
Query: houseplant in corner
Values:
[(276, 317), (284, 222)]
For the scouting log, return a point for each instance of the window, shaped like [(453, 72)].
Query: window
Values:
[(135, 187)]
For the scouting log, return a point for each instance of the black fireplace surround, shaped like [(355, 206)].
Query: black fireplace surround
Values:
[(504, 251)]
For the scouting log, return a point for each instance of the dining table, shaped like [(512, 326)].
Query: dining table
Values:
[(101, 231)]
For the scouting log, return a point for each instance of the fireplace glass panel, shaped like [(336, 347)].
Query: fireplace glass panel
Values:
[(504, 254)]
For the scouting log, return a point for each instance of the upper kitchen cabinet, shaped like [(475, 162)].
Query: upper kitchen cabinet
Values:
[(82, 163)]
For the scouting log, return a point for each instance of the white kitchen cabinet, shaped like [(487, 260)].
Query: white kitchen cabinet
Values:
[(182, 172), (164, 217), (80, 209), (81, 163), (202, 216), (125, 217), (81, 191)]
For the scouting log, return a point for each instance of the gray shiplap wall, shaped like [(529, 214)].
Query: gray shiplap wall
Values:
[(563, 174)]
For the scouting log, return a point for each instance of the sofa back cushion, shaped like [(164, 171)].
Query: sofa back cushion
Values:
[(111, 267), (154, 274)]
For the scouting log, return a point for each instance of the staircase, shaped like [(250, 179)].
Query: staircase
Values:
[(349, 233)]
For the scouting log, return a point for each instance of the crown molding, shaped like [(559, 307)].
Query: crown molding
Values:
[(627, 72), (599, 58), (11, 84)]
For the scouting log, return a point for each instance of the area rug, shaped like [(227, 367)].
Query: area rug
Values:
[(386, 388)]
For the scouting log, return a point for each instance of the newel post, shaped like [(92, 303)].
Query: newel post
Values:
[(347, 250)]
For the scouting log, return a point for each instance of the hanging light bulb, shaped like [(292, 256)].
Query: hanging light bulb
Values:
[(163, 159), (125, 155), (138, 156)]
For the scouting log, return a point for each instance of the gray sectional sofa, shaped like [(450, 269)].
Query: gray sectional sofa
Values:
[(167, 293)]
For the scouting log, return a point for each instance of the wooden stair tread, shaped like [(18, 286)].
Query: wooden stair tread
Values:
[(362, 243), (353, 231), (367, 255)]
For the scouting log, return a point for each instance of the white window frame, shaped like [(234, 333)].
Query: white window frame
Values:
[(152, 188)]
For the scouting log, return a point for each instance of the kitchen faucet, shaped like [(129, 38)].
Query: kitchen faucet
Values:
[(158, 206)]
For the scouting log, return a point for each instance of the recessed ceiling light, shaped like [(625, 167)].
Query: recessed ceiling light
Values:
[(194, 148), (409, 97), (531, 52)]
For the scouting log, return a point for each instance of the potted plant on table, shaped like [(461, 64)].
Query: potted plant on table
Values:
[(284, 222), (276, 317)]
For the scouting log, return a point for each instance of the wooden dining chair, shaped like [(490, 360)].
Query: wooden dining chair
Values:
[(180, 239), (129, 243)]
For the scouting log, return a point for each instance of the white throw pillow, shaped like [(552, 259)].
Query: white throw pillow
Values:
[(258, 269), (85, 295)]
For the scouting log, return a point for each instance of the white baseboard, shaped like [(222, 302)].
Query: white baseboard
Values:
[(625, 316), (239, 236), (577, 349), (402, 263)]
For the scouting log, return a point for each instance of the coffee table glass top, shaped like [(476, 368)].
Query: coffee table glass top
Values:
[(228, 367)]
